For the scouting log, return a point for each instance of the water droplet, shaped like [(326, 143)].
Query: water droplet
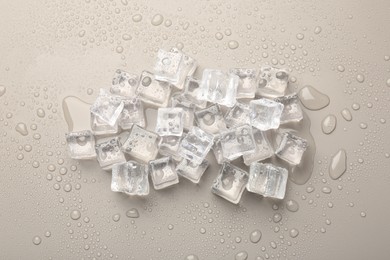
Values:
[(132, 213), (387, 83), (126, 37), (355, 106), (47, 234), (89, 91), (21, 128), (363, 214), (157, 19), (119, 49), (317, 30), (329, 124), (340, 68), (294, 232), (326, 190), (170, 226), (137, 18), (191, 257), (300, 36), (363, 125), (81, 33), (68, 187), (2, 90), (255, 236), (36, 240), (292, 205), (313, 99), (116, 217), (346, 114), (277, 217), (310, 189), (219, 36), (242, 255), (233, 44), (360, 78), (75, 214), (202, 230)]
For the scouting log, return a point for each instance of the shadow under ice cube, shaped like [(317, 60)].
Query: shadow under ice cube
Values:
[(230, 183), (265, 114), (109, 153), (163, 173), (196, 145), (131, 178), (267, 180), (170, 121), (272, 82), (291, 148), (237, 141), (81, 145), (190, 170)]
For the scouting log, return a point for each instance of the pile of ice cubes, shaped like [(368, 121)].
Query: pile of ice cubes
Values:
[(228, 113)]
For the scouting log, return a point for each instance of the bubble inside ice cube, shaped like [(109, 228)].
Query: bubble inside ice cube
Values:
[(272, 82), (163, 173), (81, 144), (109, 153), (170, 121), (237, 141), (124, 84)]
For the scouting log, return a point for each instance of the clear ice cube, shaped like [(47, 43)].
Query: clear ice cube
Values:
[(272, 82), (188, 67), (170, 121), (141, 144), (292, 111), (230, 183), (99, 127), (218, 87), (237, 115), (237, 141), (131, 178), (195, 145), (81, 145), (179, 101), (169, 146), (263, 148), (132, 114), (124, 84), (107, 107), (291, 148), (163, 173), (265, 114), (192, 92), (190, 170), (267, 180), (247, 82), (217, 149), (109, 153), (152, 91), (210, 119)]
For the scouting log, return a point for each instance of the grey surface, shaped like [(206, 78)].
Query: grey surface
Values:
[(53, 49)]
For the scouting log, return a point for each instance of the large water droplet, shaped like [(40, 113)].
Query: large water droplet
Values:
[(255, 236), (313, 99), (338, 164), (329, 124), (157, 19), (346, 114), (21, 128), (242, 255)]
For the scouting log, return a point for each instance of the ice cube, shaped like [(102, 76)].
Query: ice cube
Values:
[(210, 119), (178, 100), (107, 107), (109, 153), (237, 115), (192, 92), (141, 144), (152, 91), (265, 114), (191, 171), (169, 146), (237, 141), (195, 145), (99, 127), (81, 144), (267, 180), (124, 84), (218, 87), (217, 149), (247, 82), (170, 121), (163, 173), (230, 183), (132, 113), (131, 178), (263, 148), (291, 148), (272, 82), (174, 66), (292, 111)]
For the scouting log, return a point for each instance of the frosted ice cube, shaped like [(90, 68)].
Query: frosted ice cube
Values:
[(169, 146), (173, 66), (265, 114), (291, 148), (191, 171), (131, 178), (109, 153), (267, 180), (292, 111), (247, 82), (195, 145), (230, 183), (263, 148), (219, 87), (132, 113), (188, 110), (152, 91), (163, 173), (141, 144), (192, 92), (124, 84), (217, 149), (170, 121), (99, 127), (210, 119), (237, 141), (81, 144), (107, 107), (272, 82), (237, 115)]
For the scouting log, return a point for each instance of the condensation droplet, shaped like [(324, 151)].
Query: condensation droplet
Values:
[(326, 190), (233, 44), (340, 68), (36, 240), (255, 236), (126, 37), (21, 128), (2, 90), (360, 78), (300, 36), (75, 214), (119, 49), (219, 36), (355, 106), (292, 205), (157, 19), (294, 232), (116, 217), (328, 124), (277, 217), (317, 29), (132, 213), (363, 125), (346, 114), (242, 255), (137, 18), (191, 257)]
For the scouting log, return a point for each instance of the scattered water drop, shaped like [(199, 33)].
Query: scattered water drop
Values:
[(68, 187), (137, 18), (294, 232), (313, 99), (132, 213), (317, 30), (116, 217), (2, 90), (242, 255), (233, 44), (300, 36), (387, 83), (126, 37), (170, 226), (36, 240), (326, 190), (47, 234), (363, 125), (255, 236), (346, 114), (191, 257), (329, 124), (363, 214), (119, 49), (75, 214), (219, 36), (292, 205), (360, 78), (355, 106), (277, 217), (157, 19), (21, 128)]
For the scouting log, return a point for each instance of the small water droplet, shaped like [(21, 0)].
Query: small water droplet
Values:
[(75, 214), (294, 232), (360, 78), (255, 236), (233, 44), (242, 255), (346, 114), (47, 234), (191, 257), (300, 36), (116, 217), (219, 36), (363, 125), (317, 30), (2, 90), (328, 124), (157, 19), (36, 240), (355, 106), (119, 49), (21, 128), (170, 226), (326, 190), (277, 217), (137, 18), (292, 205), (132, 213), (126, 37), (340, 68), (363, 214)]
